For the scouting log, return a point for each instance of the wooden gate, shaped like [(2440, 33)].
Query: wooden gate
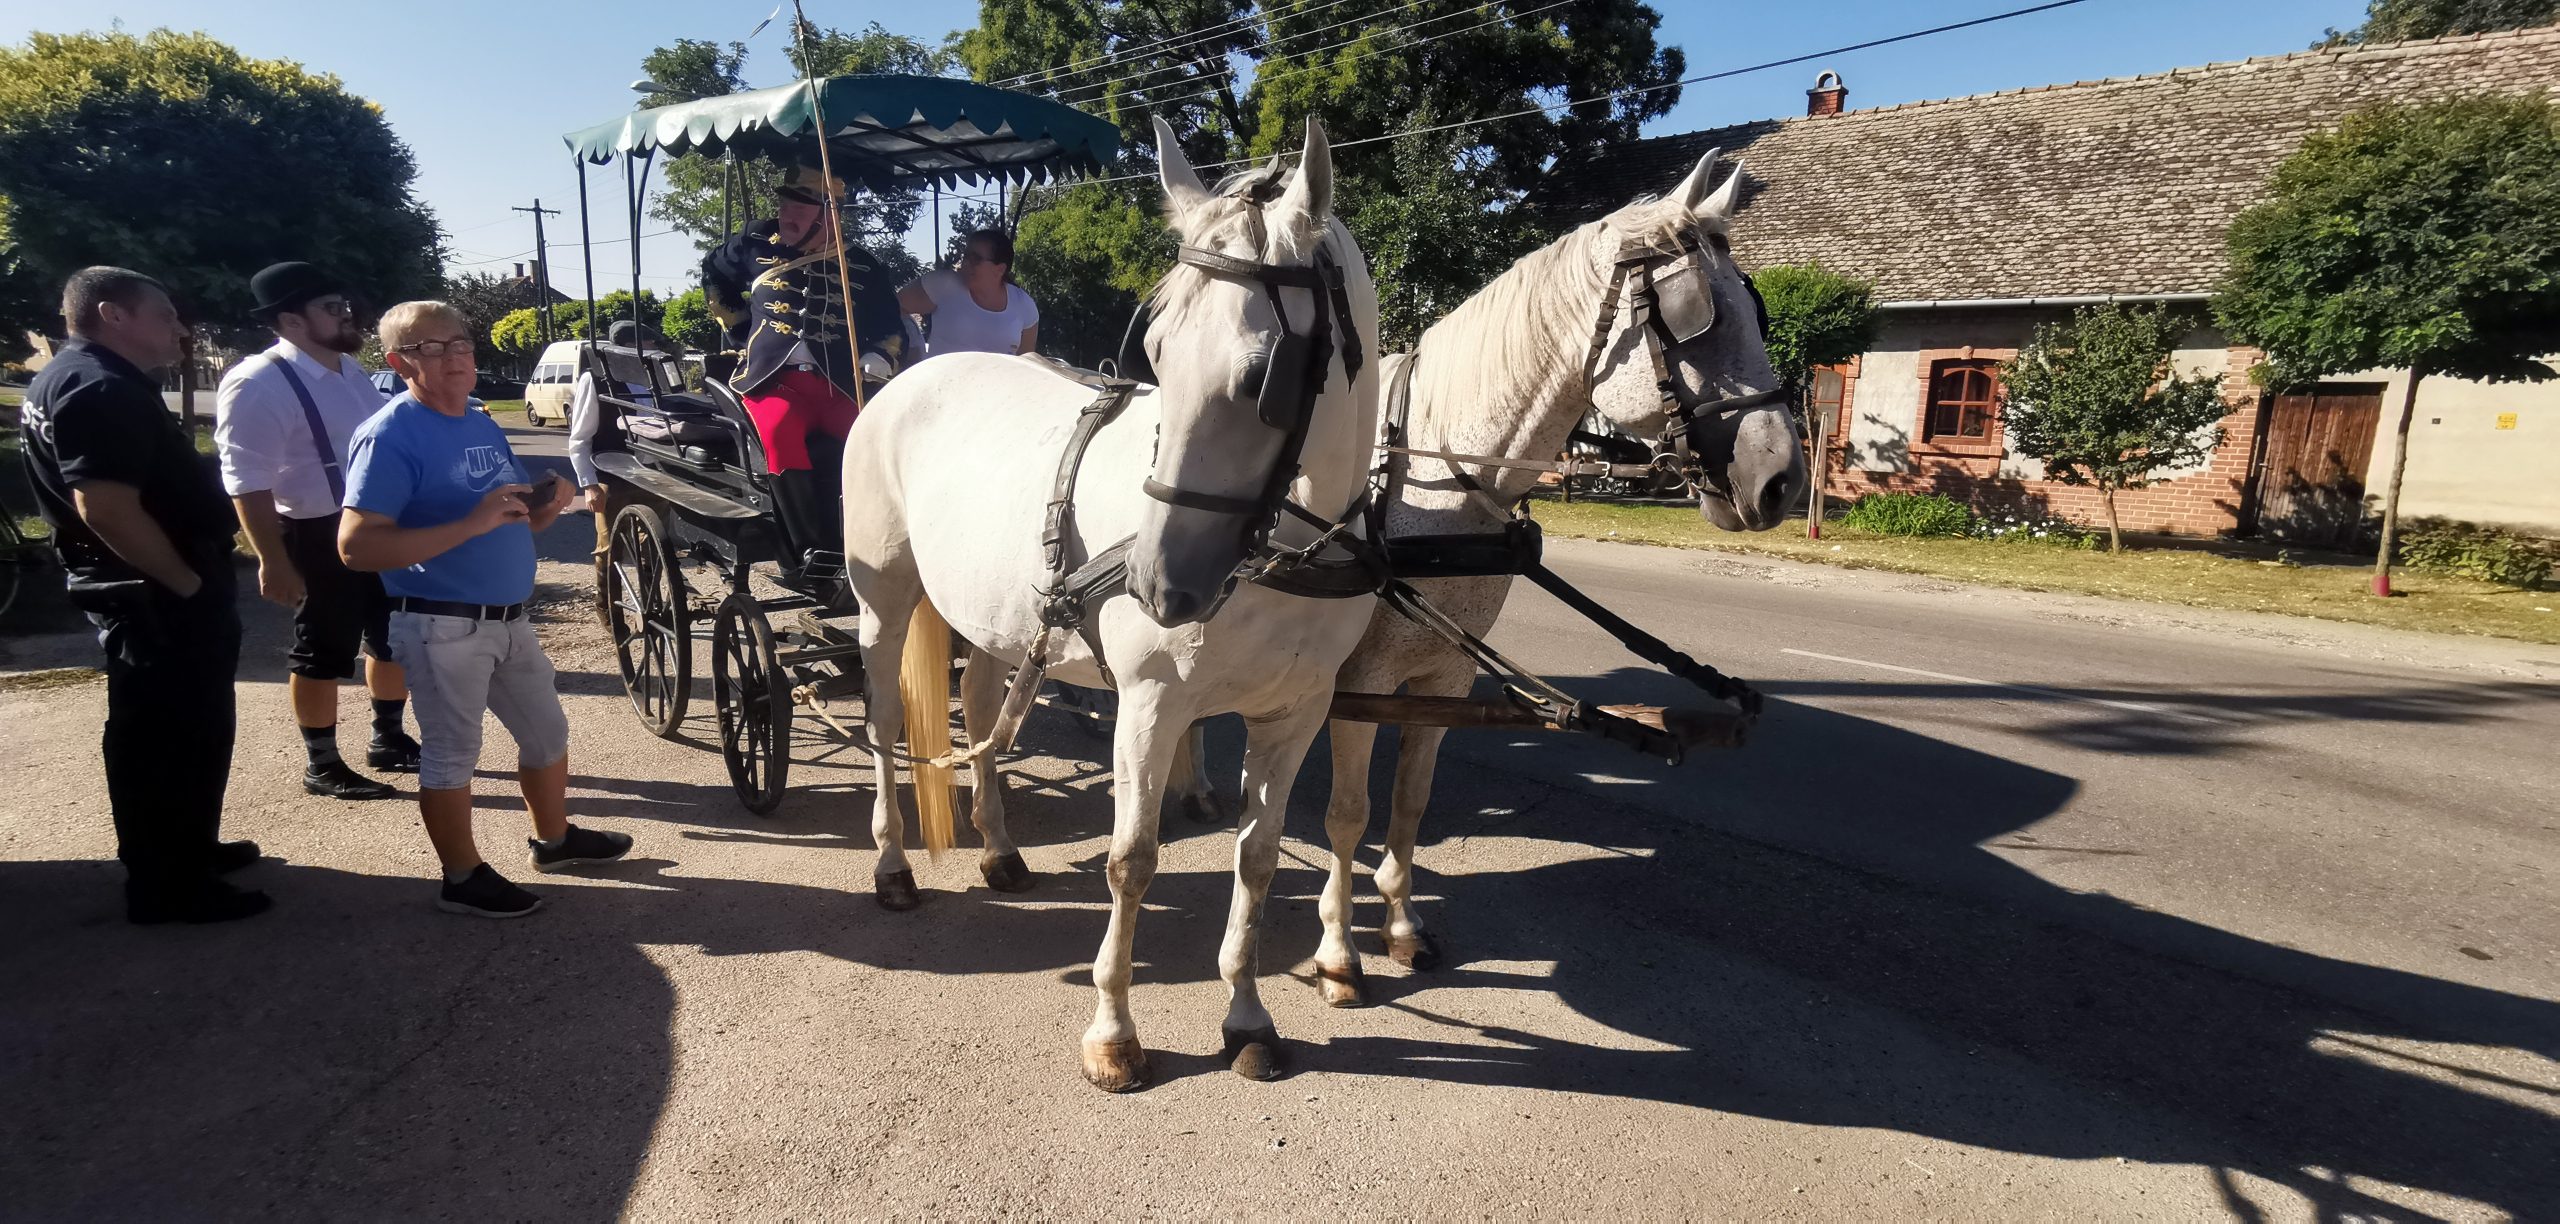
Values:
[(2310, 478)]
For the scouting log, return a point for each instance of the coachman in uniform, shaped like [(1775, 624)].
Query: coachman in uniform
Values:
[(145, 536), (776, 290)]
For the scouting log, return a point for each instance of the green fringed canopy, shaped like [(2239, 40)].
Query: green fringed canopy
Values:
[(883, 130)]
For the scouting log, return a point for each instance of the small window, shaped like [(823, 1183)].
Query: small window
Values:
[(1964, 396)]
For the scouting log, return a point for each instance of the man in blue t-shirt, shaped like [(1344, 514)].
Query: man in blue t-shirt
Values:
[(437, 504)]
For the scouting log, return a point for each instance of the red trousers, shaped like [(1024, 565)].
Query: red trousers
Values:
[(789, 407)]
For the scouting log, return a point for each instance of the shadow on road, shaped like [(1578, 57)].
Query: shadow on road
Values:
[(1798, 988), (357, 1049)]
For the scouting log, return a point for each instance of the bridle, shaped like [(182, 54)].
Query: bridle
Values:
[(1287, 375), (1666, 320)]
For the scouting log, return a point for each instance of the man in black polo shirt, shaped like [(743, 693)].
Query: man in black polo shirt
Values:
[(145, 537)]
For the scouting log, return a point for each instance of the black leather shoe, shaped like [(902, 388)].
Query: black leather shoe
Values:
[(206, 900), (232, 856), (335, 781), (393, 753)]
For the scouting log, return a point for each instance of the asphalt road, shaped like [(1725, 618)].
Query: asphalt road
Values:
[(2018, 906)]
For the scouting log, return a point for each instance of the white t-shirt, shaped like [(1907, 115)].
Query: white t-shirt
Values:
[(960, 325)]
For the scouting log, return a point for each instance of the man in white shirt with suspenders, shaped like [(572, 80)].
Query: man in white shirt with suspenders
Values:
[(282, 421)]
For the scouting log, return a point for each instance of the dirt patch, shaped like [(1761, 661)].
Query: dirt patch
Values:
[(52, 678)]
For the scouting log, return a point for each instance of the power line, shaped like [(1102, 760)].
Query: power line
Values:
[(1381, 47), (1105, 87), (1638, 92), (1175, 40)]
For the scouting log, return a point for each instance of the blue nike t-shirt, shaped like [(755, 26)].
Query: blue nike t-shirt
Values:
[(421, 468)]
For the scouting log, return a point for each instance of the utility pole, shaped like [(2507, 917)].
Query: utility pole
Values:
[(541, 266)]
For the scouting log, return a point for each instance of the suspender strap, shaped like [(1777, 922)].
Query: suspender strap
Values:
[(319, 431)]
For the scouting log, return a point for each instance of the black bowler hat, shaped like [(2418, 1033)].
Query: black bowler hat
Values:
[(282, 287)]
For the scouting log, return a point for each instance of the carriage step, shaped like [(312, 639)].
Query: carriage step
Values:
[(809, 623)]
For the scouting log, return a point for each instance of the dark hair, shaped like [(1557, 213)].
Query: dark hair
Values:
[(999, 247), (93, 287)]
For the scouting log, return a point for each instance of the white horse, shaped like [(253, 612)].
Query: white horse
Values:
[(932, 510), (1507, 374)]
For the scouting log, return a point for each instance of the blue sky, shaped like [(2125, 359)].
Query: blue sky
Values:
[(481, 90)]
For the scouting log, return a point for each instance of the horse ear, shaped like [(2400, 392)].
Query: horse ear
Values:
[(1183, 190), (1694, 188), (1310, 193), (1720, 205)]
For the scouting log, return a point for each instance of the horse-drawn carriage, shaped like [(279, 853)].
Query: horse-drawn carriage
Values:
[(697, 532)]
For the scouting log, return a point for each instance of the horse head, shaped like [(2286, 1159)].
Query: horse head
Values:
[(1686, 357), (1248, 335)]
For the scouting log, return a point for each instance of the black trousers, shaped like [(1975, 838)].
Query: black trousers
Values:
[(171, 717)]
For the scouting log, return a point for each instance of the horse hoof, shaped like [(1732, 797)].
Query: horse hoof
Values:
[(1254, 1055), (1007, 872), (1421, 954), (1115, 1066), (896, 891), (1344, 987), (1205, 809)]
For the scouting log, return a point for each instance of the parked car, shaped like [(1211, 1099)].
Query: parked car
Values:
[(389, 384), (546, 395)]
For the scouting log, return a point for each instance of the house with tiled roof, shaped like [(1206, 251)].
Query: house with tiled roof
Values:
[(1979, 217)]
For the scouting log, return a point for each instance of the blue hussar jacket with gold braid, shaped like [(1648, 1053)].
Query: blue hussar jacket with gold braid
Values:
[(779, 305)]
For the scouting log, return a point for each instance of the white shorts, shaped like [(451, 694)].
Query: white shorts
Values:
[(458, 669)]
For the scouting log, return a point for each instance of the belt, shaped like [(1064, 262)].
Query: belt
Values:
[(447, 607)]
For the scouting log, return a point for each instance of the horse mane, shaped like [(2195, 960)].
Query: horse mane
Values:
[(1237, 195), (1530, 328)]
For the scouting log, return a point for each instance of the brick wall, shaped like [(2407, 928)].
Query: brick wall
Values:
[(2202, 503)]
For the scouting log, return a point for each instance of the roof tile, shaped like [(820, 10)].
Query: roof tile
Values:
[(2101, 187)]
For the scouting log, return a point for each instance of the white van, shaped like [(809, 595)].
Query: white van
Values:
[(546, 394)]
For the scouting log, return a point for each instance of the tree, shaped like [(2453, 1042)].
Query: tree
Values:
[(165, 153), (2096, 400), (1368, 77), (519, 333), (1817, 317), (1085, 255), (486, 297), (687, 321), (2424, 238), (1447, 232), (2400, 20)]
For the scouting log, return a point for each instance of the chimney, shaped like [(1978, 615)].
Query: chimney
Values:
[(1827, 96)]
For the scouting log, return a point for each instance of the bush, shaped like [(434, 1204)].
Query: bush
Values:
[(2469, 550), (2028, 527), (1909, 514)]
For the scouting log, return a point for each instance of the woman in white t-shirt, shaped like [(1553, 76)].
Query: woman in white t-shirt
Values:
[(977, 308)]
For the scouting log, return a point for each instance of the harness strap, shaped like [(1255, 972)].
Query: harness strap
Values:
[(1211, 502), (1645, 646)]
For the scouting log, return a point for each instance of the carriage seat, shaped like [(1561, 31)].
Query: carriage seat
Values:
[(688, 424)]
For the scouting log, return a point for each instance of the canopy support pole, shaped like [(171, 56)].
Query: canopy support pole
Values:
[(586, 245), (835, 203)]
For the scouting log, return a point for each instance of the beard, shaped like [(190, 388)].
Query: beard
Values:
[(342, 337)]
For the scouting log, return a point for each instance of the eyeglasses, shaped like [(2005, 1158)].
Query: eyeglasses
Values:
[(429, 350), (339, 307)]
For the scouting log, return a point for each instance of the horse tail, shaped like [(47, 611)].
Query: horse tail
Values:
[(924, 687)]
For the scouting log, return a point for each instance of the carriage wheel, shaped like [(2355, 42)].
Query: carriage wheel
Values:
[(754, 700), (651, 639)]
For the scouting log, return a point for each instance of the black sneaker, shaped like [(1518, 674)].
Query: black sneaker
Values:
[(393, 753), (203, 900), (233, 856), (335, 781), (579, 847), (488, 894)]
